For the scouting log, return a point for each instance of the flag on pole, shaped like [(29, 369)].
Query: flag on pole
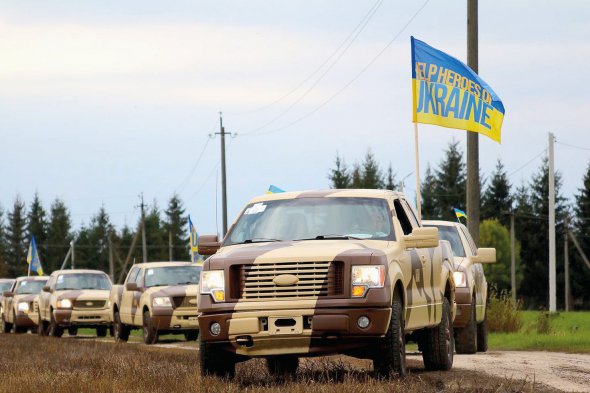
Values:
[(447, 93), (459, 213), (194, 242), (274, 190), (33, 258)]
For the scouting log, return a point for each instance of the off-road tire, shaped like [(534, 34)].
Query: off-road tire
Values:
[(191, 335), (120, 330), (6, 327), (482, 335), (215, 362), (150, 332), (283, 365), (101, 331), (42, 328), (466, 337), (54, 329), (73, 331), (438, 342), (390, 356)]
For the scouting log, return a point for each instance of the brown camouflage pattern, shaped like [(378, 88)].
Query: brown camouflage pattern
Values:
[(9, 306), (422, 276), (132, 304)]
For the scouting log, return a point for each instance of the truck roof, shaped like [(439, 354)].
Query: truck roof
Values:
[(442, 223), (78, 271), (162, 264), (32, 278), (332, 193)]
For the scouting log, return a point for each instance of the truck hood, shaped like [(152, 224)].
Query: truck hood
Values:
[(83, 294), (460, 263), (172, 291)]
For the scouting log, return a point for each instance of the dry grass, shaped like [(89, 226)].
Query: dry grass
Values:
[(503, 313), (31, 363)]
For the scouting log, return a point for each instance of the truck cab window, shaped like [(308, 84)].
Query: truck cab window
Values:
[(402, 217)]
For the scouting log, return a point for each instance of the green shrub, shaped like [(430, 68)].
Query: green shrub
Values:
[(544, 322), (503, 313)]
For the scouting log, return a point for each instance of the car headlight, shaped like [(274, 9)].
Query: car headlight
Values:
[(64, 303), (365, 277), (460, 279), (213, 283), (163, 301), (23, 307)]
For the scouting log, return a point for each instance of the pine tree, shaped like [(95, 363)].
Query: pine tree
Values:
[(59, 235), (16, 253), (497, 199), (371, 173), (579, 272), (430, 209), (176, 225), (3, 266), (390, 179), (99, 230), (339, 176), (356, 177), (450, 182), (37, 225), (156, 235)]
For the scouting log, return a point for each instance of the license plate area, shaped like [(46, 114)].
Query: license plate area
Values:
[(285, 325)]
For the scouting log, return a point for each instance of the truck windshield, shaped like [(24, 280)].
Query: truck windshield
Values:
[(5, 286), (29, 287), (450, 234), (313, 219), (172, 275), (82, 281)]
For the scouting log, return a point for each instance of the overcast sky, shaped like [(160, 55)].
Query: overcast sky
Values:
[(103, 100)]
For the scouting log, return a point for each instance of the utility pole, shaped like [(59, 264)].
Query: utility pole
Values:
[(72, 245), (223, 173), (143, 240), (512, 259), (566, 264), (472, 137), (170, 246), (552, 283), (111, 261)]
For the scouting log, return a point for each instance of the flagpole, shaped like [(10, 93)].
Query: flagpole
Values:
[(418, 196)]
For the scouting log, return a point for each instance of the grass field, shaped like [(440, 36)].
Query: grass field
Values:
[(569, 332), (31, 363)]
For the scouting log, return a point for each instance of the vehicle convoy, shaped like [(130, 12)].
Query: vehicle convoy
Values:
[(74, 299), (159, 298), (471, 287), (19, 304), (326, 272)]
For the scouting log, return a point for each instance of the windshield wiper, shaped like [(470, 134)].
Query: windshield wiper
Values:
[(332, 237), (260, 240), (187, 283)]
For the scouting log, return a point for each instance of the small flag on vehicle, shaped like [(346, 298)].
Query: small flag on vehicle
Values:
[(274, 190), (459, 213), (194, 242), (33, 258)]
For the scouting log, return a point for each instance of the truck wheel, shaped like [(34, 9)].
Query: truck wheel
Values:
[(217, 363), (282, 365), (438, 344), (73, 331), (54, 329), (6, 327), (482, 335), (150, 333), (121, 331), (43, 327), (390, 357), (101, 331), (191, 335), (466, 337)]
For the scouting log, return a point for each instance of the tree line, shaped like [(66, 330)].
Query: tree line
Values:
[(94, 241), (444, 188)]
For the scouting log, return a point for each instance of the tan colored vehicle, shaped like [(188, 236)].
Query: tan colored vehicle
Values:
[(471, 329), (19, 304), (75, 299), (159, 298), (326, 272), (5, 285)]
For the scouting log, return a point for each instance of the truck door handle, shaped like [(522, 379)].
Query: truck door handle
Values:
[(423, 258)]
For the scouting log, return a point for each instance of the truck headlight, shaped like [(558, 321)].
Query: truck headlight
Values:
[(365, 277), (64, 303), (213, 283), (460, 279), (163, 301), (23, 307)]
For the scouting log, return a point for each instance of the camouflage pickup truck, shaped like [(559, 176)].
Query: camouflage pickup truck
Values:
[(471, 328), (159, 298), (74, 299), (326, 272), (19, 304)]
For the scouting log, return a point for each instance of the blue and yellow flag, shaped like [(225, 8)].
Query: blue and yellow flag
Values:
[(446, 92), (33, 258), (274, 190), (194, 242), (460, 213)]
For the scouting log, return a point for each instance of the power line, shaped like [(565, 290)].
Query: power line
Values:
[(527, 163), (321, 77), (182, 185), (358, 75), (573, 146)]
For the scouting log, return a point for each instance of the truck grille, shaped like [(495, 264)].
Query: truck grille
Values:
[(184, 302), (316, 279), (89, 304)]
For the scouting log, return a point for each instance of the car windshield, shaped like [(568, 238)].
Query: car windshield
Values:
[(451, 234), (313, 218), (5, 286), (172, 275), (82, 281), (29, 287)]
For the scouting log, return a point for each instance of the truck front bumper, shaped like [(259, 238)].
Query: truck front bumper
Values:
[(25, 321), (169, 320), (82, 318), (464, 300), (296, 331)]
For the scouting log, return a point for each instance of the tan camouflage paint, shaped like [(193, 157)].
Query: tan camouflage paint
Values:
[(10, 305), (423, 286)]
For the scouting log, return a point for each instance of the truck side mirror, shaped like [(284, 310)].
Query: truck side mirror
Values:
[(484, 255), (131, 286), (46, 288), (423, 237), (208, 244), (8, 294)]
